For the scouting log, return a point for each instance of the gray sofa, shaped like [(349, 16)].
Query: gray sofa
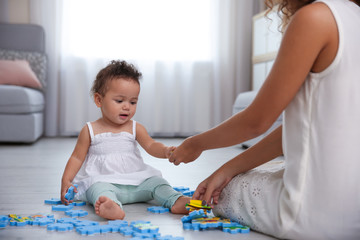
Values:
[(22, 108), (242, 101)]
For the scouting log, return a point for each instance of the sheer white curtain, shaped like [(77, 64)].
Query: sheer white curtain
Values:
[(194, 55)]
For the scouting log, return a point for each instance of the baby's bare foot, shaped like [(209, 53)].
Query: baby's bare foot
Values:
[(179, 205), (107, 208)]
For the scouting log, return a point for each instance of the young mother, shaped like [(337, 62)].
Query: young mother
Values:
[(316, 80)]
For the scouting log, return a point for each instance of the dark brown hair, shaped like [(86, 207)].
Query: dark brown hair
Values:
[(115, 69), (287, 8)]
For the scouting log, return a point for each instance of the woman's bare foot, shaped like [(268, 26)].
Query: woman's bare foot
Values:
[(107, 208), (179, 205)]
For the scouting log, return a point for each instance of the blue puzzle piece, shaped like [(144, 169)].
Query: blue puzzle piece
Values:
[(4, 218), (85, 223), (72, 221), (145, 228), (70, 193), (62, 207), (181, 188), (236, 228), (156, 209), (95, 229), (42, 221), (60, 227), (53, 201), (78, 203), (146, 235), (169, 237), (119, 223), (76, 213), (188, 193), (3, 224), (127, 231), (193, 215)]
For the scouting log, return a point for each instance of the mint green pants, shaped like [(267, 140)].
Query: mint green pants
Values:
[(154, 188)]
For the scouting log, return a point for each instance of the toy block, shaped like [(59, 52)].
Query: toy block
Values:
[(60, 227), (76, 213), (62, 207), (84, 223), (169, 237), (72, 221), (70, 193), (120, 223), (53, 201), (156, 209)]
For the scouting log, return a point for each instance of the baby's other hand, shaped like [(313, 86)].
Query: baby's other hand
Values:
[(169, 151)]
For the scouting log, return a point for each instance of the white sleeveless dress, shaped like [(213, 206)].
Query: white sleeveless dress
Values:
[(317, 194), (113, 158)]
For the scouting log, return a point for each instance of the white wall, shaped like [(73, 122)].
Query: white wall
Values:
[(15, 11)]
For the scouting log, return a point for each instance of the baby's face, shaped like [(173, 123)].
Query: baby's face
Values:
[(120, 100)]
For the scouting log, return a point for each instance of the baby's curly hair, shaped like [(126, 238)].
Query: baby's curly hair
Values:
[(115, 69)]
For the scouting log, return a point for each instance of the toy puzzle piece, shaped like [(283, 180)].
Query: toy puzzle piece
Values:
[(62, 207), (145, 228), (76, 213), (156, 209), (72, 221), (193, 215), (3, 224), (181, 189), (127, 231), (146, 235), (70, 193), (95, 229), (42, 221), (19, 221), (169, 237), (60, 227), (119, 223), (236, 228), (78, 203), (84, 223), (197, 205), (53, 201)]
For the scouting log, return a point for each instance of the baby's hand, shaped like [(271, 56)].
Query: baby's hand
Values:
[(64, 190), (169, 151)]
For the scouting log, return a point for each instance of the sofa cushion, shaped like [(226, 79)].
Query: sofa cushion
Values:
[(19, 73), (20, 100), (36, 60)]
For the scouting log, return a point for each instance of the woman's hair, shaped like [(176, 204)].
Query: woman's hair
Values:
[(115, 69), (287, 8)]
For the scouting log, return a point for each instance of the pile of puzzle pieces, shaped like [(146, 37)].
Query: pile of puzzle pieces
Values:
[(137, 230), (199, 219)]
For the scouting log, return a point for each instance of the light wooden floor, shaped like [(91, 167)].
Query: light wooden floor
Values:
[(29, 174)]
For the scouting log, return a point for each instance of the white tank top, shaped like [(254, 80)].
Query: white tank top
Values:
[(321, 142), (113, 158)]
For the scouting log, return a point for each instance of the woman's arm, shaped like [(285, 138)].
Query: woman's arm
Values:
[(151, 146), (265, 150), (308, 44), (75, 161)]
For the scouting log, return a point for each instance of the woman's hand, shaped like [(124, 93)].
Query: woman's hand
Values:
[(187, 152), (210, 189), (169, 151)]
